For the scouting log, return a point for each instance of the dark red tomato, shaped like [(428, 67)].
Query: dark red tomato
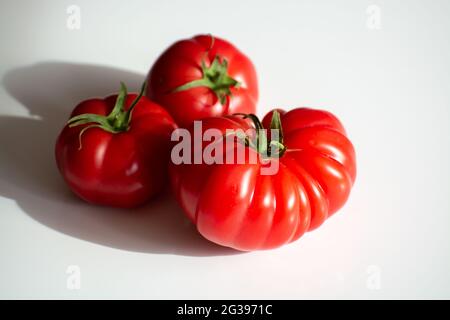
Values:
[(115, 151), (236, 205), (203, 77)]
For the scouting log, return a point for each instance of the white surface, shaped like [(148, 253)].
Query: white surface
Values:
[(390, 87)]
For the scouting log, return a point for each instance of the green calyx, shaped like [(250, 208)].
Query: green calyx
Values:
[(118, 120), (268, 148), (216, 78)]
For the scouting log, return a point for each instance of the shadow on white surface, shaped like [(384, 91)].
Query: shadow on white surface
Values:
[(28, 172)]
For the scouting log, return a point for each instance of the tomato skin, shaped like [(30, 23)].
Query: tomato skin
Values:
[(234, 205), (181, 64), (122, 169)]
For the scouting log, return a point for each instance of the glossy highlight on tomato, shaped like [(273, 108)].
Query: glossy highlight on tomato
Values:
[(234, 205), (201, 77), (115, 151)]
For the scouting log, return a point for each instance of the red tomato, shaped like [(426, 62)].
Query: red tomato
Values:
[(203, 77), (237, 206), (114, 151)]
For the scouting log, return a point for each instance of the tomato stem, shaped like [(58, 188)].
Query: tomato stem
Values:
[(118, 120), (267, 148), (216, 78)]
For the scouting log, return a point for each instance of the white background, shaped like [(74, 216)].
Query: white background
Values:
[(389, 86)]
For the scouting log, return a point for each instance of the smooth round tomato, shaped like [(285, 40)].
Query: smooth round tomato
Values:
[(115, 151), (201, 77), (238, 206)]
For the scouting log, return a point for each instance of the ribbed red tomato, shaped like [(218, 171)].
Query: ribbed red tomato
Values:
[(115, 151), (237, 206), (201, 77)]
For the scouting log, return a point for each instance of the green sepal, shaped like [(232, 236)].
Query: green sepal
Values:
[(118, 120), (214, 77), (273, 148)]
